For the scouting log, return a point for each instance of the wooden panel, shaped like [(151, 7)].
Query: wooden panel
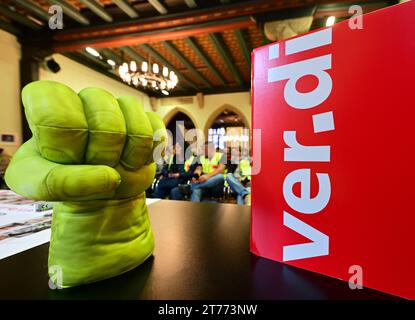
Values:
[(253, 37), (209, 49), (190, 55), (168, 55), (194, 59), (19, 10), (75, 3), (234, 49)]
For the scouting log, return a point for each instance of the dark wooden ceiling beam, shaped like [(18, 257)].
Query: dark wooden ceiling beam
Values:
[(155, 36), (15, 16), (158, 6), (342, 11), (98, 9), (191, 3), (33, 8), (126, 7), (110, 54), (174, 20), (162, 60), (205, 91), (9, 28), (133, 54), (223, 51), (186, 63), (103, 64), (205, 60), (246, 51), (71, 11)]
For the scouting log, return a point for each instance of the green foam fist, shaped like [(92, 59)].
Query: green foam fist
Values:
[(94, 155)]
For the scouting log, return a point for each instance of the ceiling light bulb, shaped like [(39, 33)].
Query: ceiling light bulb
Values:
[(330, 21), (121, 71), (165, 92), (155, 68), (111, 62), (165, 71), (92, 52), (144, 66), (154, 84), (133, 66), (144, 82), (171, 75), (135, 81)]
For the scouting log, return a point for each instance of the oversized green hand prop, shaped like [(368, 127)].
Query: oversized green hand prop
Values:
[(94, 154)]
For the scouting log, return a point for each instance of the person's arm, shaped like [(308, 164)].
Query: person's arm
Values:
[(189, 174), (198, 170), (218, 170), (176, 170)]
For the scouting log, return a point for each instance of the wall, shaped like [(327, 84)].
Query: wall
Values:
[(10, 122), (77, 77), (213, 105)]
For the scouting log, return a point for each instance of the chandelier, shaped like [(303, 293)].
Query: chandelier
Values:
[(148, 78)]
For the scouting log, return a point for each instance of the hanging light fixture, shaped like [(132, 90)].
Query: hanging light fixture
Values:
[(148, 75), (155, 68), (144, 66)]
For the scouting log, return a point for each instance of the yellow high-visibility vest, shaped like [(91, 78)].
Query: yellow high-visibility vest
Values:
[(170, 162), (245, 167), (188, 163), (209, 166)]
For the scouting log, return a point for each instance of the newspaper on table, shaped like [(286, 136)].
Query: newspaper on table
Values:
[(24, 223)]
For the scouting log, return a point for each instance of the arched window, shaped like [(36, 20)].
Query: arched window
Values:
[(179, 124), (229, 130)]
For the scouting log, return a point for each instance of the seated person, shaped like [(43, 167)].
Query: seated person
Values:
[(190, 165), (239, 179), (209, 174), (173, 173)]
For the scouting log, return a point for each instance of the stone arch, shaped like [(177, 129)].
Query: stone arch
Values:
[(221, 109), (176, 110)]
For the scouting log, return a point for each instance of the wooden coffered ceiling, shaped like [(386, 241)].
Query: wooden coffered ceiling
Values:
[(207, 42)]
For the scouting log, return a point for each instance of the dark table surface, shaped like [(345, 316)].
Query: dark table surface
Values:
[(202, 252)]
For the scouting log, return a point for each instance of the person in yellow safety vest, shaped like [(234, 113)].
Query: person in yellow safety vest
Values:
[(188, 163), (240, 179), (208, 180), (173, 173)]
